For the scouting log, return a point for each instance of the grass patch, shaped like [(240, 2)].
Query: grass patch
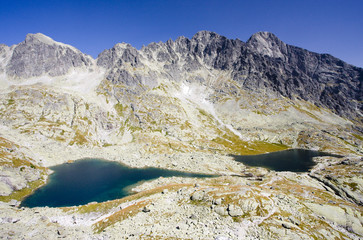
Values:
[(60, 139), (234, 144), (86, 120), (11, 101), (107, 145), (79, 139), (120, 215), (360, 137), (16, 162), (120, 109), (22, 193), (353, 186)]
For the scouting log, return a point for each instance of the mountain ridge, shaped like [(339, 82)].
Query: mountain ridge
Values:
[(210, 65)]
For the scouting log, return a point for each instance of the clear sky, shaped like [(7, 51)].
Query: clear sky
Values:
[(323, 26)]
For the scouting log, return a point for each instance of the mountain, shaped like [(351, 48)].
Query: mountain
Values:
[(39, 55), (206, 92), (262, 64), (185, 105)]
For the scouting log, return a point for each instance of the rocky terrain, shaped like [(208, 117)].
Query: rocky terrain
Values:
[(183, 105)]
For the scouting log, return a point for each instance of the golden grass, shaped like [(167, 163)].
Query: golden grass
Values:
[(235, 145), (120, 109), (360, 137), (79, 138), (120, 215), (123, 213), (22, 193)]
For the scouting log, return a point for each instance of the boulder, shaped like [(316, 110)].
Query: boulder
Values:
[(198, 196), (221, 211), (234, 211), (5, 189)]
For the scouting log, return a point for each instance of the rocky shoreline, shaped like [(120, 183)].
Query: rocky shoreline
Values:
[(247, 204)]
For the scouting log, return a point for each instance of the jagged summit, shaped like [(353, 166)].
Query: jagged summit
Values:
[(263, 64), (203, 36)]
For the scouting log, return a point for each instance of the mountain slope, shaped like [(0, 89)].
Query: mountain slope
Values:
[(207, 92)]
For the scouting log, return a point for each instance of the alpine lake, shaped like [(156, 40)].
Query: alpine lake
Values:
[(96, 180)]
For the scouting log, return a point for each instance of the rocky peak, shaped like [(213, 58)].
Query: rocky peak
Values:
[(119, 54), (205, 36), (267, 44), (215, 50), (38, 55), (3, 46), (40, 38), (3, 49)]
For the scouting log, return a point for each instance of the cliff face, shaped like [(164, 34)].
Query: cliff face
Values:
[(39, 55), (294, 72)]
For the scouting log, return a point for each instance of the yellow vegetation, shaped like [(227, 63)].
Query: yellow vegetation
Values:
[(120, 215), (22, 193)]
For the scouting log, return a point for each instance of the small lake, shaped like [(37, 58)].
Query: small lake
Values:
[(90, 180), (293, 160)]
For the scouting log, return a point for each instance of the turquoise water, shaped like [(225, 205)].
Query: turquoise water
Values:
[(293, 160), (90, 180)]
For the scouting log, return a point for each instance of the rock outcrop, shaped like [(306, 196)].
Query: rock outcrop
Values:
[(39, 55)]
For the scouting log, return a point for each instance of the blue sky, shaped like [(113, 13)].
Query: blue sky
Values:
[(324, 26)]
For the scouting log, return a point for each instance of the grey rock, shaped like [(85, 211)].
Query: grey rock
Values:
[(198, 196), (222, 238), (221, 211), (14, 203), (292, 71), (217, 201), (118, 55), (39, 55), (193, 216), (287, 225), (45, 219), (5, 189), (234, 211), (146, 209)]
